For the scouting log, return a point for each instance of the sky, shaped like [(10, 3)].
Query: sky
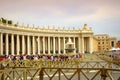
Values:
[(102, 15)]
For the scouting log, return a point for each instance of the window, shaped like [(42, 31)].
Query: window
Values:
[(98, 42), (112, 43), (102, 42), (99, 48), (106, 42), (106, 45)]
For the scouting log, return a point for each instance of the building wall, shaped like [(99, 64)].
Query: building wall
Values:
[(113, 42), (105, 42), (30, 40), (118, 44), (95, 45)]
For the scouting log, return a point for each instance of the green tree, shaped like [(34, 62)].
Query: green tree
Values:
[(10, 22), (4, 20)]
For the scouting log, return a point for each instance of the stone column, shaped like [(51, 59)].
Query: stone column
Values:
[(91, 44), (48, 45), (53, 45), (43, 44), (33, 45), (64, 45), (80, 47), (74, 45), (28, 45), (38, 41), (23, 44), (12, 44), (58, 45), (79, 44), (7, 43), (18, 45), (83, 50), (1, 43)]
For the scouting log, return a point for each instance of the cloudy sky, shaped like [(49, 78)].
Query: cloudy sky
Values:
[(102, 15)]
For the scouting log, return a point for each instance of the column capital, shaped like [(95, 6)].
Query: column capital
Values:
[(28, 35), (64, 36), (6, 33), (58, 36)]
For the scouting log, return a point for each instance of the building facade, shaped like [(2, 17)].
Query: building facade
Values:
[(16, 39), (118, 44), (95, 45), (105, 42)]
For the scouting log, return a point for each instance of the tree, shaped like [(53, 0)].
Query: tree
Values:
[(10, 22), (3, 20)]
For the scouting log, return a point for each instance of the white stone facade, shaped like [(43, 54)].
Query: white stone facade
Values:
[(27, 40)]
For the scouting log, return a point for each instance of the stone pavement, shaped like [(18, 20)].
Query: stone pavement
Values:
[(90, 57)]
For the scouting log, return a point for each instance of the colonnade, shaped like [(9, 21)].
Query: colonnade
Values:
[(31, 44)]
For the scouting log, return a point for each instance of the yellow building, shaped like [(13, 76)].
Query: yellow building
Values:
[(95, 45), (105, 42), (20, 39)]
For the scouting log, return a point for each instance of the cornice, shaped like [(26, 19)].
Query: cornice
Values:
[(41, 32)]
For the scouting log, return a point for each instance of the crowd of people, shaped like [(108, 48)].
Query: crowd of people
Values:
[(42, 56)]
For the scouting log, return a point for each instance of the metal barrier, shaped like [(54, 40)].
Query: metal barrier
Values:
[(80, 74), (27, 73), (69, 69), (109, 59), (20, 73), (75, 63)]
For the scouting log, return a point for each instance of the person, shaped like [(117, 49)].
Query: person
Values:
[(9, 57), (21, 57), (24, 57), (52, 58), (35, 57)]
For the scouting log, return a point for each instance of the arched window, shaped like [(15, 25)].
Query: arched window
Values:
[(112, 43)]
